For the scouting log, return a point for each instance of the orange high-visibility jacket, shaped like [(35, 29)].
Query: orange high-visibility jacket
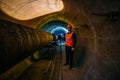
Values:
[(68, 39)]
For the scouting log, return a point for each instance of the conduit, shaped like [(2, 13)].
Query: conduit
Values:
[(18, 42)]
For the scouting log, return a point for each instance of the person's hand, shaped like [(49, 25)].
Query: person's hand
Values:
[(72, 48)]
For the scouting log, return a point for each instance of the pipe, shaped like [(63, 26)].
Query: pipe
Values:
[(17, 42)]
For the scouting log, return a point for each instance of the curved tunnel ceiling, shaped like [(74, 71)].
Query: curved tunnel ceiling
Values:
[(29, 9), (50, 26), (59, 30)]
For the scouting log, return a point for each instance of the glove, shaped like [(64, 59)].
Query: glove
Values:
[(72, 48)]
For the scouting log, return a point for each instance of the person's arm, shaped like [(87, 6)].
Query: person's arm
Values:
[(74, 39)]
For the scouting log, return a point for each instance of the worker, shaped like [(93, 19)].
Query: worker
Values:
[(70, 41)]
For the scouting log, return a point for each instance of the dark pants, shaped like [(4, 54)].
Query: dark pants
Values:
[(69, 56)]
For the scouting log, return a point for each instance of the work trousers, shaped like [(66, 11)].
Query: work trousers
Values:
[(69, 56)]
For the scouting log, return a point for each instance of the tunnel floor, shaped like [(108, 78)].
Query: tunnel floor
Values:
[(37, 71), (69, 74), (40, 70)]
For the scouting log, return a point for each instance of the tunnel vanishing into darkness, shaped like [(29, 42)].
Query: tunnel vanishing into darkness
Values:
[(27, 51)]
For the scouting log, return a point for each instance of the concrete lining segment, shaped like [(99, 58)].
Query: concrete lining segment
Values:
[(27, 9)]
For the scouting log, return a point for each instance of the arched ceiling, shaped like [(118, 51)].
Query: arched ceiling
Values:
[(28, 9), (27, 12), (74, 11)]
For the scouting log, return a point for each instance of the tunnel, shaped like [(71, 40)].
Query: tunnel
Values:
[(57, 28), (31, 47)]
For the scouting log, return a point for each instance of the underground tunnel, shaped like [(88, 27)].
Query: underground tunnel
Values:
[(57, 28), (28, 28)]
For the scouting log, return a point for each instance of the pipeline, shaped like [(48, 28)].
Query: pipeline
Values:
[(17, 42)]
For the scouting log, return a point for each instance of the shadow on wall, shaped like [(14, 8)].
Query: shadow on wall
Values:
[(81, 57)]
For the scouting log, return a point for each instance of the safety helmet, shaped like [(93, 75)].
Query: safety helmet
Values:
[(69, 26)]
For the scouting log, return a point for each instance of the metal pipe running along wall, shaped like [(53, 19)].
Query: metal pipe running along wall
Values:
[(18, 42)]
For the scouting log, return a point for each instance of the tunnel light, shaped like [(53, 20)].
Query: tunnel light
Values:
[(59, 29), (28, 9)]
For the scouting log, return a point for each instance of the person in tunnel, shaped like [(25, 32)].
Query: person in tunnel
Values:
[(70, 42)]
